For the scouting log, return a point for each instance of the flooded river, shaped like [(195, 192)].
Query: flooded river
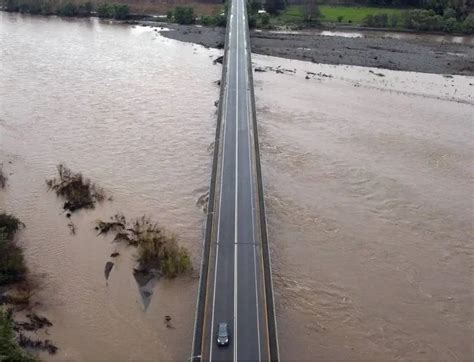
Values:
[(368, 180), (134, 112)]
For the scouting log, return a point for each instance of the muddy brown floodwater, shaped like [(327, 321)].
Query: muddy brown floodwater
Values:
[(134, 112), (369, 183), (368, 176)]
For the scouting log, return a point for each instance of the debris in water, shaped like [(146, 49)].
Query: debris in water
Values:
[(46, 345), (3, 178), (203, 201), (168, 321), (34, 323), (108, 267), (377, 74), (72, 228), (219, 60)]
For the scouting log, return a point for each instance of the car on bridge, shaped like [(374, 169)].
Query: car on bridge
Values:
[(223, 336)]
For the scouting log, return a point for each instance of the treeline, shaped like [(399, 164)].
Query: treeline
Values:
[(67, 8), (113, 11), (429, 20), (49, 7), (438, 15), (185, 15)]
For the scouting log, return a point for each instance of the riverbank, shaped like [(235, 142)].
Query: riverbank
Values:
[(375, 50)]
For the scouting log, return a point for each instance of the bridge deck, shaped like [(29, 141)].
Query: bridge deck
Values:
[(235, 290)]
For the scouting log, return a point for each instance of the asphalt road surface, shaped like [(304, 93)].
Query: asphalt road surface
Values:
[(236, 294)]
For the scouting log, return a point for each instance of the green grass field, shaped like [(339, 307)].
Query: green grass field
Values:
[(350, 14)]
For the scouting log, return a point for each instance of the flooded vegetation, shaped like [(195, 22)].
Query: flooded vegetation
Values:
[(12, 265), (158, 250), (16, 290), (3, 178), (79, 192)]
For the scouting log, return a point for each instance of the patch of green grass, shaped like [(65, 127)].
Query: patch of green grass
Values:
[(337, 14), (292, 14), (354, 14)]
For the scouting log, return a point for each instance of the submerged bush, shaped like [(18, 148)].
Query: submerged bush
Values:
[(3, 178), (12, 265), (77, 191), (157, 249)]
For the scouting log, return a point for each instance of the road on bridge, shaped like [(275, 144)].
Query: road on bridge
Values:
[(235, 289)]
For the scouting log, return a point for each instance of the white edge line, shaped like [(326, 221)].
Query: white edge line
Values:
[(236, 183)]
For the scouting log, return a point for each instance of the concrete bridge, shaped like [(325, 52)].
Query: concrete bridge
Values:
[(236, 285)]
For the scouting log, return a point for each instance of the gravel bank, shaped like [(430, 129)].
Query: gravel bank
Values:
[(374, 51)]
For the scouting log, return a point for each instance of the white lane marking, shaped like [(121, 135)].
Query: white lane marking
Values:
[(224, 111), (236, 182), (249, 117)]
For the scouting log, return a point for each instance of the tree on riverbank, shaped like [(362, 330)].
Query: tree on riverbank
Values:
[(184, 15), (113, 11), (275, 6), (311, 11)]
